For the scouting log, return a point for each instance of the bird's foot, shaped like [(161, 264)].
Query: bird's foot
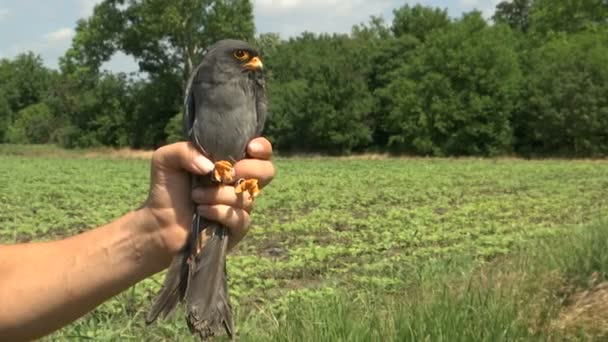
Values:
[(247, 185), (223, 172)]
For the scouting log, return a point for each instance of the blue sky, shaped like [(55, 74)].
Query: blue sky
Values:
[(47, 27)]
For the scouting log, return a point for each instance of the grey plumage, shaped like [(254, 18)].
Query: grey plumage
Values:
[(225, 107)]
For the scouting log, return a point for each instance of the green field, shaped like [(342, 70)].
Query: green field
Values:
[(347, 234)]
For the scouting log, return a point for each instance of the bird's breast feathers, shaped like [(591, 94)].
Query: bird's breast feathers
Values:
[(226, 118)]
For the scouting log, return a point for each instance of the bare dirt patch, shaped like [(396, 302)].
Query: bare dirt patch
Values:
[(585, 310), (119, 153)]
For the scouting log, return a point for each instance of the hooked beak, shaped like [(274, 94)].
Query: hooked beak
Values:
[(254, 64)]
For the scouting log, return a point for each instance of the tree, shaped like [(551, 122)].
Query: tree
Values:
[(319, 97), (93, 110), (165, 37), (174, 130), (387, 57), (419, 21), (457, 94), (25, 80), (267, 43), (33, 125), (565, 110), (514, 13), (5, 116), (156, 101), (569, 16)]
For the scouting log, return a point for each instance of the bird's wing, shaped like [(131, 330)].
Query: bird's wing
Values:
[(189, 105), (260, 105)]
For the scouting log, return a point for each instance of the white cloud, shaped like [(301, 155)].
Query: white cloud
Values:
[(318, 6), (50, 44), (291, 17), (60, 36), (487, 7), (86, 7)]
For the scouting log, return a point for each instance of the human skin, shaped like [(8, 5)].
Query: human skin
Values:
[(44, 286)]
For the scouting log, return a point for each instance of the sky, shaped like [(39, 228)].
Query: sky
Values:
[(47, 27)]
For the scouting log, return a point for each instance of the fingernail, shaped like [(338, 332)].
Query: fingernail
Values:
[(203, 165), (255, 147)]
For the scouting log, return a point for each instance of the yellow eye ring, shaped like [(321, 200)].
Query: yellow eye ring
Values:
[(241, 55)]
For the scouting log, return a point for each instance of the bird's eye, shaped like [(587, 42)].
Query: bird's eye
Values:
[(241, 55)]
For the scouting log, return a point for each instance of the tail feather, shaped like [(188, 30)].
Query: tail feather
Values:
[(207, 299), (202, 281), (172, 291), (176, 279)]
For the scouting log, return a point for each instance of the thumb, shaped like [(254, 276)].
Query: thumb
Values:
[(182, 156)]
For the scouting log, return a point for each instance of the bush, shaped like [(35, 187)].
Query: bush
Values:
[(34, 125), (174, 129), (457, 95), (318, 94), (5, 117), (565, 107)]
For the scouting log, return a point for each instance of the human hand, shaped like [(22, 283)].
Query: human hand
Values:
[(170, 197)]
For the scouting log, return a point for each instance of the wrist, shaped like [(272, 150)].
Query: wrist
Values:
[(168, 236), (151, 238)]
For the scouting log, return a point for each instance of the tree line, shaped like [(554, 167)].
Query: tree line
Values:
[(531, 81)]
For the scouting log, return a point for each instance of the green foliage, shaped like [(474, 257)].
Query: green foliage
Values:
[(155, 103), (565, 110), (424, 84), (581, 258), (6, 116), (96, 39), (457, 94), (419, 21), (455, 299), (98, 113), (32, 125), (515, 13), (569, 16), (164, 37), (327, 226), (24, 80), (167, 39), (320, 97), (175, 129)]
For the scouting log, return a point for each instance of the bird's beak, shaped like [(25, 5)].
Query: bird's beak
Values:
[(254, 64)]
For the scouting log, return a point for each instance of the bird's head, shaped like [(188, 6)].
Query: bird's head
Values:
[(229, 59)]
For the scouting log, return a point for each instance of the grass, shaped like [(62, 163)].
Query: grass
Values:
[(352, 249), (514, 298)]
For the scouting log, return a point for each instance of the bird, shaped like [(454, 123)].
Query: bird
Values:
[(224, 108)]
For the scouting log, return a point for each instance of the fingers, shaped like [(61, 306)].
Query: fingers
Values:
[(259, 148), (257, 165), (262, 170), (224, 195), (237, 220), (182, 156)]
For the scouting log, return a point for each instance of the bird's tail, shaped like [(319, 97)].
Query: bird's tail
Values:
[(171, 293), (174, 286), (208, 306)]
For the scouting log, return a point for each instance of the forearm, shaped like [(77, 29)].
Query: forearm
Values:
[(47, 285)]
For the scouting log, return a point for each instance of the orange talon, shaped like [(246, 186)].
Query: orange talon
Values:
[(249, 185), (223, 172)]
